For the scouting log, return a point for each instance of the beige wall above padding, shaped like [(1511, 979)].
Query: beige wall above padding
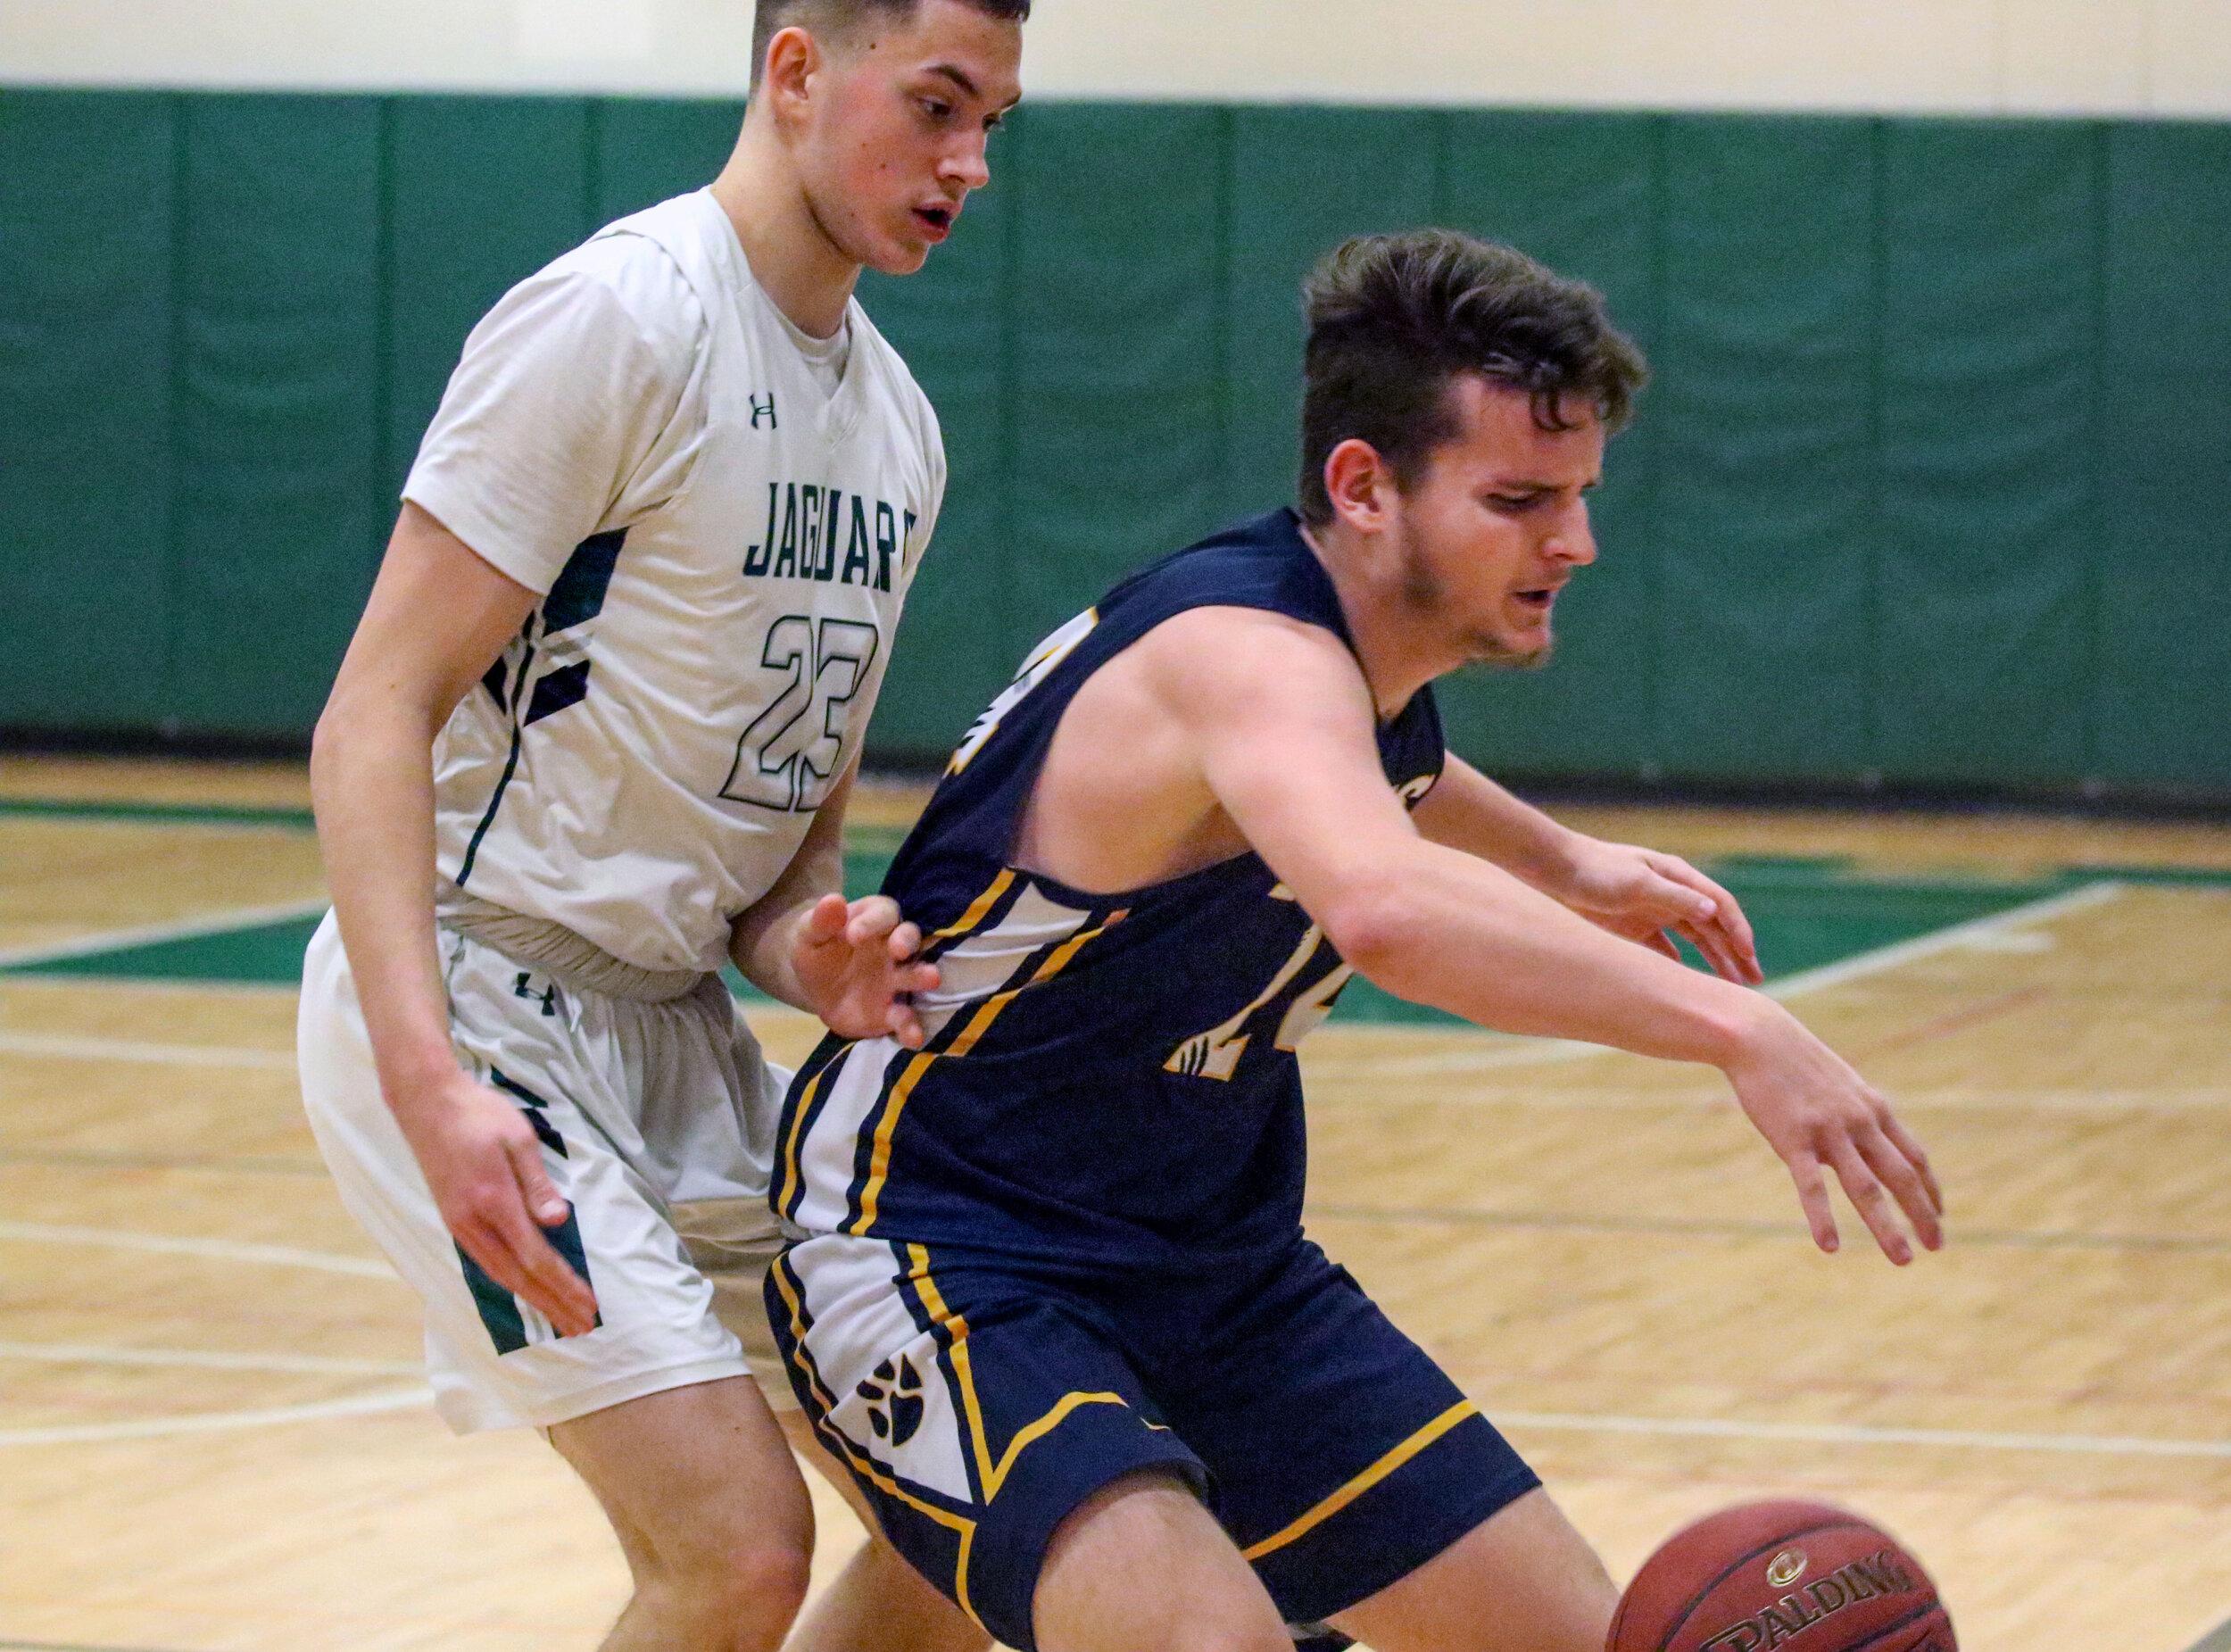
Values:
[(2127, 57)]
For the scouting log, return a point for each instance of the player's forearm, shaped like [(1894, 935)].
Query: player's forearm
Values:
[(1470, 812), (763, 944), (372, 784), (1443, 929)]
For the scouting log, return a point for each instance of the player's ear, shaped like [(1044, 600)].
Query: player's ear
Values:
[(1359, 485), (792, 56)]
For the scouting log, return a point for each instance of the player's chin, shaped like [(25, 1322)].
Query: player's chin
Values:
[(900, 251)]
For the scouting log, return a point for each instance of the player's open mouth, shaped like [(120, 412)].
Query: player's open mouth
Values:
[(937, 219), (1540, 600)]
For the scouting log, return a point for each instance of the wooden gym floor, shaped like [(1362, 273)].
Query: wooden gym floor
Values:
[(212, 1434)]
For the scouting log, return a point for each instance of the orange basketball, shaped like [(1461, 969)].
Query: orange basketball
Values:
[(1763, 1576)]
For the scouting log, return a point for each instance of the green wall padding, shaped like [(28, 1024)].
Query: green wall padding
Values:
[(952, 318), (2163, 454), (460, 235), (1580, 193), (1303, 180), (646, 150), (1764, 409), (1118, 360), (278, 409), (1930, 485), (86, 211), (1989, 520)]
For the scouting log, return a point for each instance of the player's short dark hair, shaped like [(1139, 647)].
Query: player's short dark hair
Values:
[(1395, 319), (840, 16)]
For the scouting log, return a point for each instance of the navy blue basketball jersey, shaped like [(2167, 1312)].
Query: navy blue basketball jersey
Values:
[(1108, 1079)]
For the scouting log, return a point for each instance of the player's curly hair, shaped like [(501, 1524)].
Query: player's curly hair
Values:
[(1394, 319), (838, 16)]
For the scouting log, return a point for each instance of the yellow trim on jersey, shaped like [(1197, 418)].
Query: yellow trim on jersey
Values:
[(978, 908), (1365, 1480), (987, 1012), (989, 1474), (798, 1131), (857, 1459)]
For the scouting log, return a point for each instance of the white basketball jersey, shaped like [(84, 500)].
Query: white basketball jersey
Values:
[(723, 548)]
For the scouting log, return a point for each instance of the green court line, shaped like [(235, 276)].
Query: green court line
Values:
[(168, 814), (1808, 913), (2219, 1641)]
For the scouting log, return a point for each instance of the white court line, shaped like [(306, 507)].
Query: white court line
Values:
[(219, 1421), (222, 1250), (310, 1365), (1977, 932), (150, 935), (54, 1047), (1833, 1433)]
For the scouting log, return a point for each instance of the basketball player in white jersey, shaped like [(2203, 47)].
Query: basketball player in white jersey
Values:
[(637, 607)]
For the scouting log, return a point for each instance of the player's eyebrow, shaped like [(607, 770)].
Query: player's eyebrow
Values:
[(956, 77)]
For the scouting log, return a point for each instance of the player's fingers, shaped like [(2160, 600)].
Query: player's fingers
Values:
[(1812, 1199), (1717, 953), (825, 920), (915, 978), (906, 1024), (1658, 941), (1905, 1183), (1871, 1199), (871, 918), (906, 941), (1904, 1141), (1727, 916), (516, 1257), (543, 1202)]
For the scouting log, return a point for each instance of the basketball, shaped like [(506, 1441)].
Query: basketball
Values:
[(1760, 1575)]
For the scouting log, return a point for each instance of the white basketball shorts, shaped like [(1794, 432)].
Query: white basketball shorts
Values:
[(657, 1123)]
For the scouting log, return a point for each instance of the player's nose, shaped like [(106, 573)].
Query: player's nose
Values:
[(1572, 540), (968, 164)]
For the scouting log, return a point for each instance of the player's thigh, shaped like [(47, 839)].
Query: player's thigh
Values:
[(1142, 1563), (703, 1481), (975, 1409), (1522, 1581), (1344, 1457)]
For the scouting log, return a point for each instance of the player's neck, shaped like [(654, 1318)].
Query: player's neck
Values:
[(1398, 656), (806, 274)]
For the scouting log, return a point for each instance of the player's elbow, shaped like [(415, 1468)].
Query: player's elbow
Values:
[(1377, 924)]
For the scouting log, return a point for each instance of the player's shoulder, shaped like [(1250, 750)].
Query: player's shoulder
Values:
[(636, 273)]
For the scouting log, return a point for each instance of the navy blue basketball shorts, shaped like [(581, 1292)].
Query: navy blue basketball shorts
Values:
[(979, 1400)]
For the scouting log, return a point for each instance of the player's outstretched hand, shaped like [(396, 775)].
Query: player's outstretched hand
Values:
[(1819, 1116), (485, 1165), (856, 965), (1642, 894)]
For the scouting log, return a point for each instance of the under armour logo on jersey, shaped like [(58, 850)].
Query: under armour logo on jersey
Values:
[(894, 1401), (765, 408)]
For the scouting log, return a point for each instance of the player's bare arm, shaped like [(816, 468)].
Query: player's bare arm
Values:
[(1246, 727), (851, 963), (437, 617), (1641, 893)]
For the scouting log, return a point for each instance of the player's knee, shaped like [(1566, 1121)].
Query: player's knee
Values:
[(750, 1583)]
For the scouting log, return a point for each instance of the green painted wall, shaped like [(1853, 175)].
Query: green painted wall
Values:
[(1932, 486)]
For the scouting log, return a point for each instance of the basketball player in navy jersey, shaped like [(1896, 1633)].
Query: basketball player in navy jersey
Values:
[(1050, 1296)]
